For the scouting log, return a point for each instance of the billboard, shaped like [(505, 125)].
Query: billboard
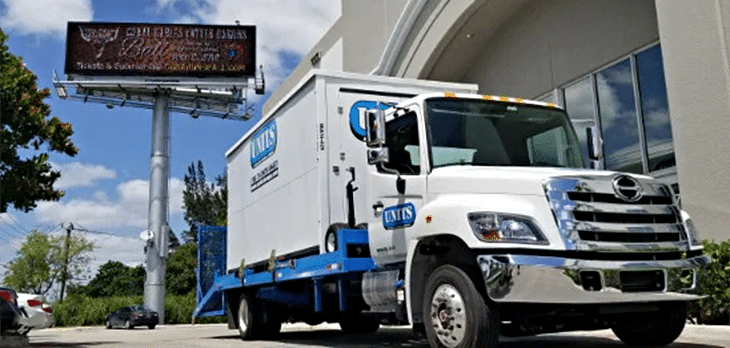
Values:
[(135, 49)]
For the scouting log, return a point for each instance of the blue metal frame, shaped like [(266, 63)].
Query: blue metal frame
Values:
[(316, 267), (211, 265)]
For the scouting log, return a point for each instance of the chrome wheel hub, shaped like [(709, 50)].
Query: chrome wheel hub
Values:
[(448, 315)]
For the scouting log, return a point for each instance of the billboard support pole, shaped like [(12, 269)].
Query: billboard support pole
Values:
[(154, 288)]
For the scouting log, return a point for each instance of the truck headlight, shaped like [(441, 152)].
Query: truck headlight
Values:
[(692, 235), (498, 227)]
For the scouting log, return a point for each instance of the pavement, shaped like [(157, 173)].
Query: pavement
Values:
[(329, 335)]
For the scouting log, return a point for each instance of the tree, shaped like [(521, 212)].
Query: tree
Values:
[(116, 279), (180, 273), (40, 262), (25, 124), (204, 203)]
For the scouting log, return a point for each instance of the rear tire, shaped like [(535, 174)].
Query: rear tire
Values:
[(658, 328), (108, 324), (330, 237), (152, 327), (128, 325), (455, 314), (256, 319)]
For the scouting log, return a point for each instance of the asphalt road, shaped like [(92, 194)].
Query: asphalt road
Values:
[(187, 336)]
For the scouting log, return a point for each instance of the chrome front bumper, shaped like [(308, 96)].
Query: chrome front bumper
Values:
[(548, 279)]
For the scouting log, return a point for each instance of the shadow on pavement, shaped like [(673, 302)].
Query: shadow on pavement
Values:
[(74, 344), (400, 338), (568, 340)]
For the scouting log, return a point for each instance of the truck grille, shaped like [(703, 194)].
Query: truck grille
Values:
[(617, 213)]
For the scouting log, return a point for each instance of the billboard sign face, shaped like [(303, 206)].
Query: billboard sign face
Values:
[(134, 49)]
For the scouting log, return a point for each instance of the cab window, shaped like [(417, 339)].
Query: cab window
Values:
[(401, 137)]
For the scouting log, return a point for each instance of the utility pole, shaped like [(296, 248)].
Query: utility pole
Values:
[(154, 287), (64, 275)]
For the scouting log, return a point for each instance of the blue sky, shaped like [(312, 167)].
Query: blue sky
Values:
[(106, 184)]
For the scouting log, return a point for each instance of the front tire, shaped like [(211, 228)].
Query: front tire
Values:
[(152, 327), (658, 328), (455, 314), (108, 324), (128, 325)]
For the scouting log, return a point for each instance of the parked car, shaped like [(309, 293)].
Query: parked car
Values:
[(130, 316), (10, 315), (39, 314)]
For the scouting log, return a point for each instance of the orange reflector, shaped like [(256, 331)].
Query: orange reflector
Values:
[(450, 95)]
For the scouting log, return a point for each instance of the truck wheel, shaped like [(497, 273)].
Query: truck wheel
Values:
[(358, 324), (256, 319), (455, 313), (249, 321), (330, 237), (652, 328)]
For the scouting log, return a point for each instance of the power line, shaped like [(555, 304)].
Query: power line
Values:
[(13, 228), (80, 228), (18, 223)]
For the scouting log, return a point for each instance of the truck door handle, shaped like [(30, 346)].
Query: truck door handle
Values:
[(378, 207)]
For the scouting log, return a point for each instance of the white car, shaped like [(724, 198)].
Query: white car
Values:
[(38, 313)]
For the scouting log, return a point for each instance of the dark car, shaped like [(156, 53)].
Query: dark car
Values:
[(130, 316), (9, 313)]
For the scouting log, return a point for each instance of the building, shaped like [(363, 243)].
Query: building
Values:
[(652, 76)]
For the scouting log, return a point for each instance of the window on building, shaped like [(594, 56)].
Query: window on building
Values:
[(579, 106), (619, 124), (655, 109), (628, 100)]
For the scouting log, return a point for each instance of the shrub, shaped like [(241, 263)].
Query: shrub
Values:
[(81, 310), (714, 281)]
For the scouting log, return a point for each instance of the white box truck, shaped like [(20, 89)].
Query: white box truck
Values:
[(369, 200)]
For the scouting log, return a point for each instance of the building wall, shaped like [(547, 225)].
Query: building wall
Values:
[(548, 43), (354, 43), (695, 41)]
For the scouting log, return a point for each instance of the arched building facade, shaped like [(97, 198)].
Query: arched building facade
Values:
[(652, 76)]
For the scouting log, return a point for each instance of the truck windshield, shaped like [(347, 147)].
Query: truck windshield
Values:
[(490, 133)]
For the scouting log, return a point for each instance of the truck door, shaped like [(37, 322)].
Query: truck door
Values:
[(393, 214)]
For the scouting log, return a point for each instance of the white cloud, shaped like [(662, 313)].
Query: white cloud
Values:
[(282, 26), (77, 174), (101, 213), (44, 17)]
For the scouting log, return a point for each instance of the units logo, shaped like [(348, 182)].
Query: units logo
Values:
[(357, 116), (401, 215), (263, 144)]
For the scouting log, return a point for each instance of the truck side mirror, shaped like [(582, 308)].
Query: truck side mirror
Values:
[(378, 155), (375, 127), (594, 143)]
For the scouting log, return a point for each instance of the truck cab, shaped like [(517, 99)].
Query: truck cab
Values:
[(488, 197)]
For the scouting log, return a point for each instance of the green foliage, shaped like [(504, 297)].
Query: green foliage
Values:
[(80, 310), (205, 204), (714, 281), (180, 273), (116, 279), (25, 123), (40, 262)]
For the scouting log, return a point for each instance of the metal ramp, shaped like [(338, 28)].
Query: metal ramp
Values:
[(211, 271)]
